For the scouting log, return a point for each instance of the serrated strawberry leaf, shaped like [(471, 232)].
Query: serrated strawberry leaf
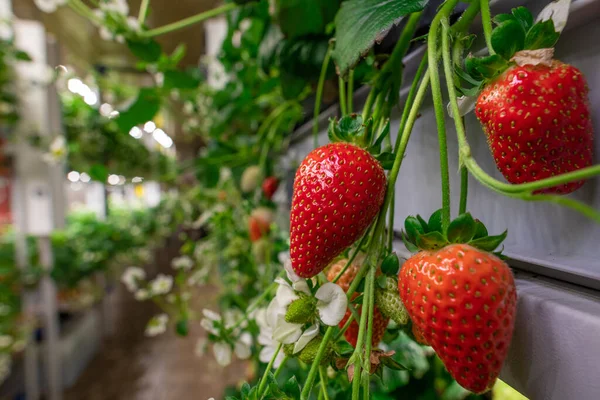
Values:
[(461, 229), (508, 38), (524, 16), (390, 265), (541, 36), (431, 241), (435, 221), (489, 243), (413, 228), (485, 67), (292, 387), (362, 23)]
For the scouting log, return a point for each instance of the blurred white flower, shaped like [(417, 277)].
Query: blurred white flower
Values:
[(201, 346), (133, 24), (6, 31), (57, 151), (243, 346), (142, 294), (184, 263), (308, 335), (265, 338), (198, 277), (6, 341), (208, 322), (222, 352), (49, 6), (131, 278), (188, 107), (162, 284), (118, 6), (157, 325)]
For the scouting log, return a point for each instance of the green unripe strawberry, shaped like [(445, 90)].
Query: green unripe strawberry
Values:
[(302, 310), (307, 354), (387, 298)]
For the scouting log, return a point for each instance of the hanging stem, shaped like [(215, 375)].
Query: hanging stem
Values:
[(352, 257), (342, 86), (486, 20), (369, 338), (280, 368), (315, 365), (350, 91), (390, 237), (464, 189), (263, 381), (84, 11), (319, 95), (344, 328), (323, 377), (186, 22), (438, 104), (357, 356), (143, 11), (369, 104)]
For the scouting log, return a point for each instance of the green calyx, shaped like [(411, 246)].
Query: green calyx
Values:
[(419, 234), (513, 33), (302, 310), (308, 354), (352, 129)]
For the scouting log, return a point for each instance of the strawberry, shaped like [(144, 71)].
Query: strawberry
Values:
[(269, 186), (537, 122), (388, 300), (259, 223), (380, 322), (338, 191), (461, 299), (534, 110)]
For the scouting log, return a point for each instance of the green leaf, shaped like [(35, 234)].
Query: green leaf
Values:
[(292, 387), (381, 281), (413, 228), (143, 109), (480, 230), (270, 47), (435, 221), (350, 125), (485, 67), (390, 264), (362, 23), (147, 50), (524, 16), (175, 79), (22, 56), (182, 327), (392, 364), (208, 175), (508, 38), (291, 85), (541, 36), (461, 229), (489, 243), (423, 223), (376, 146), (386, 160), (501, 18), (431, 241), (410, 246), (344, 348), (98, 172), (303, 56), (305, 17)]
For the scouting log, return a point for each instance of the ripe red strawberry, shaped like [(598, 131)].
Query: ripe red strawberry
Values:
[(269, 186), (259, 223), (338, 191), (537, 121), (463, 302), (380, 322)]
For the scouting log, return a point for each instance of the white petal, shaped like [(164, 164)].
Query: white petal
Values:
[(222, 353), (286, 332), (287, 265), (242, 346), (209, 326), (200, 348), (301, 286), (266, 354), (306, 337), (211, 314), (558, 11), (332, 303), (274, 311), (285, 294), (278, 359)]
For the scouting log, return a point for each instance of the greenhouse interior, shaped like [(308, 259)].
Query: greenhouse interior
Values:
[(199, 199)]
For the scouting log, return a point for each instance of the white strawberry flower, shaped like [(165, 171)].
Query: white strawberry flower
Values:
[(117, 6), (142, 294), (157, 325), (49, 6), (132, 277), (57, 151), (265, 339), (332, 303), (184, 263), (222, 352), (6, 341), (162, 284)]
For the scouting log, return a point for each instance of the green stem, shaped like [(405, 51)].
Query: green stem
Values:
[(486, 20), (342, 86), (255, 305), (369, 338), (464, 188), (390, 237), (84, 11), (323, 377), (315, 365), (350, 91), (319, 95), (280, 368), (438, 104), (352, 257), (263, 381), (358, 355), (344, 328), (194, 19), (369, 104), (143, 11)]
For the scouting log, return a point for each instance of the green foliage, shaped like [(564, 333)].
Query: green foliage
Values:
[(9, 54), (305, 17), (362, 23)]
